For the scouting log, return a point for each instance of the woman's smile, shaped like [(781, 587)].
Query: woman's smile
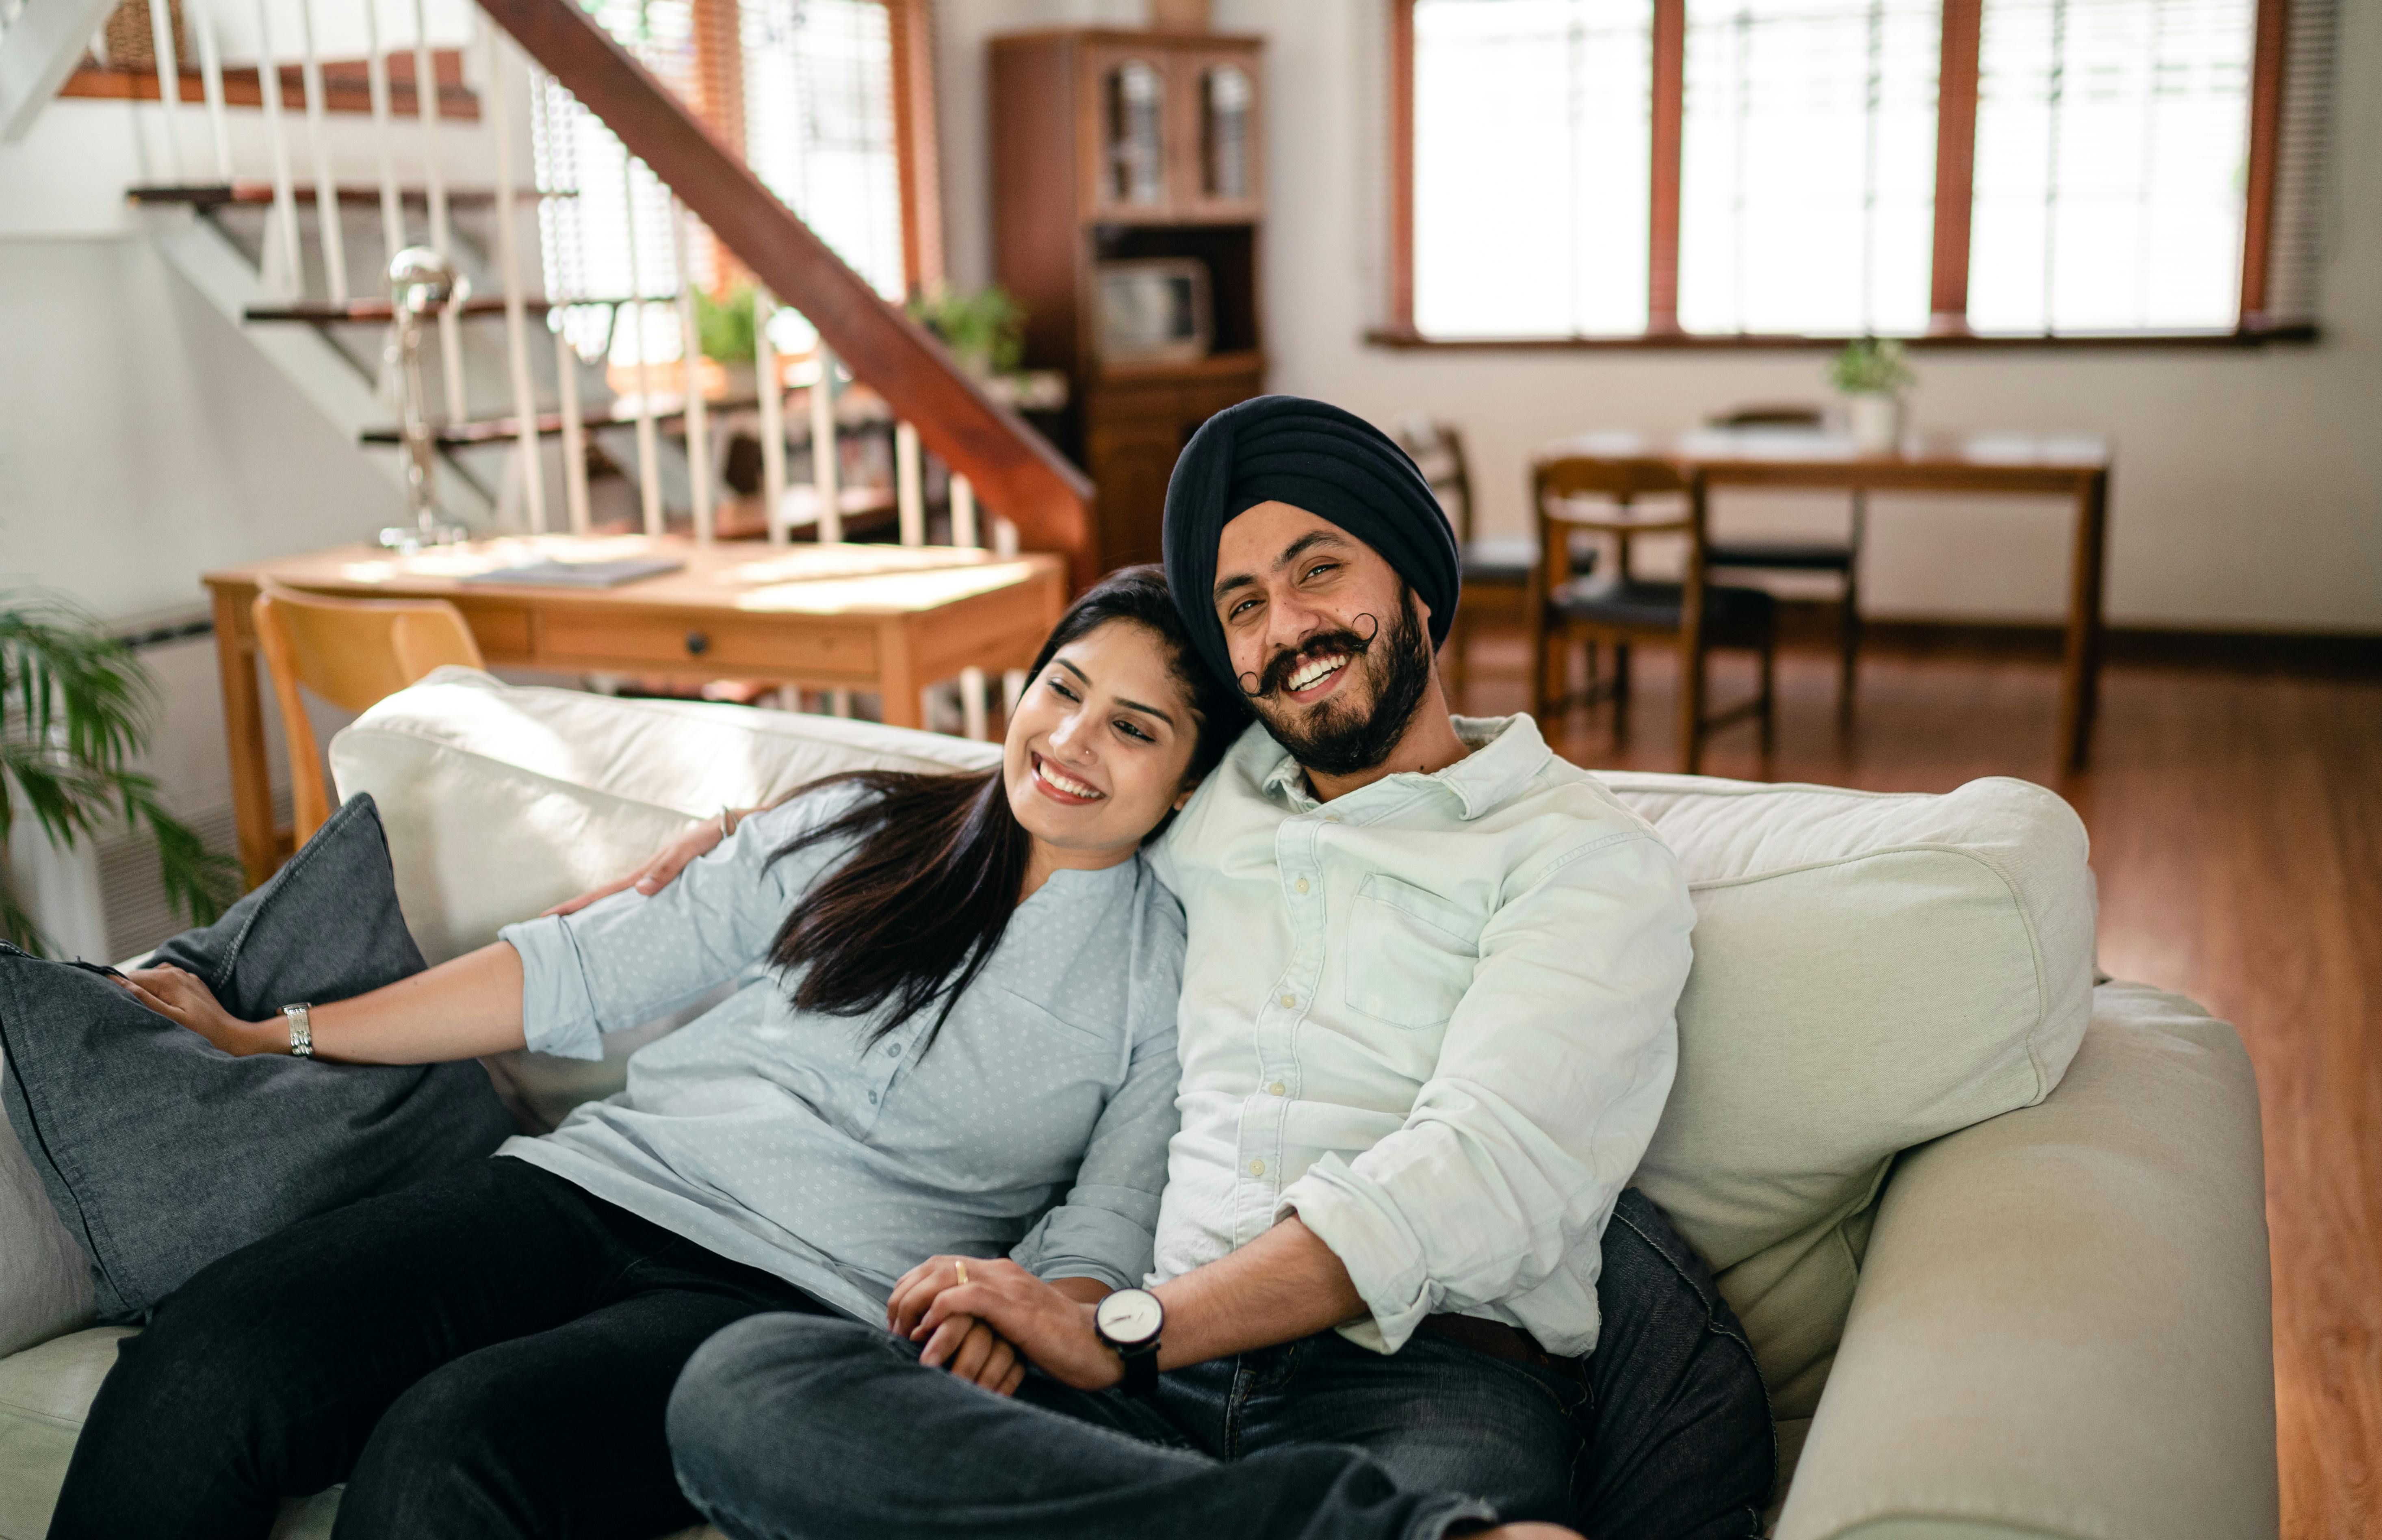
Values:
[(1060, 787)]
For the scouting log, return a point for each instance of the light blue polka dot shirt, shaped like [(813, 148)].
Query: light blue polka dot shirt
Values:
[(1035, 1127)]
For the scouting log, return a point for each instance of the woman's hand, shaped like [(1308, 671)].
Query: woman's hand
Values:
[(183, 999), (675, 857), (980, 1354), (1051, 1327)]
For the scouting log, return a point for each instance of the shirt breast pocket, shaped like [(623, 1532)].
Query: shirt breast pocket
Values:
[(1411, 954)]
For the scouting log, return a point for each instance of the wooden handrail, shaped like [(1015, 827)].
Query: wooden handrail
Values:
[(1014, 470)]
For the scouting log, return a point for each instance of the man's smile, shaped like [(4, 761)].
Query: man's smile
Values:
[(1316, 678)]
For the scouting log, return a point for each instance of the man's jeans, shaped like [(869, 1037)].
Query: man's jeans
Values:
[(786, 1426)]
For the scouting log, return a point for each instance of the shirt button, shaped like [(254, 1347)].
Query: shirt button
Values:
[(1276, 1089), (892, 1050), (1289, 1001), (1257, 1168), (872, 1098), (1302, 884)]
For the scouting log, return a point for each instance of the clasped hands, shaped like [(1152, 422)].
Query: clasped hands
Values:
[(988, 1325)]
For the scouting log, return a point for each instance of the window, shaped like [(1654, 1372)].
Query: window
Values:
[(1631, 169), (808, 89)]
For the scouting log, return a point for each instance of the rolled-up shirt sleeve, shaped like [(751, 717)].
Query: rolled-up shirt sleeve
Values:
[(1550, 1079), (623, 961)]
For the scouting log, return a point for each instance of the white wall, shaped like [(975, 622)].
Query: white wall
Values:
[(2248, 487)]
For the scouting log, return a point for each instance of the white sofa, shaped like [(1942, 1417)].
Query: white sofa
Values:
[(1995, 1226)]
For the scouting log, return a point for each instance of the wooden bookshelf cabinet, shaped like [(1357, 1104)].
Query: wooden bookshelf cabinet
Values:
[(1113, 146)]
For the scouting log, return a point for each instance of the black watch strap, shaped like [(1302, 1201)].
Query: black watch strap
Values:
[(1140, 1368)]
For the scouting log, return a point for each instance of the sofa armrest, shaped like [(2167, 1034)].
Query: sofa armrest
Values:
[(2063, 1327)]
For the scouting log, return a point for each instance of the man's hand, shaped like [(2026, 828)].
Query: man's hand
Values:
[(1047, 1324), (658, 872)]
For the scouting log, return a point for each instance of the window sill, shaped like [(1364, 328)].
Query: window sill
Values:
[(2247, 336)]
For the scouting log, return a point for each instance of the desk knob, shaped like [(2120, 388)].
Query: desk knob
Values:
[(697, 643)]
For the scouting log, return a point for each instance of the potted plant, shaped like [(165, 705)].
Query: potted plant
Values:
[(985, 330), (1872, 374), (74, 715)]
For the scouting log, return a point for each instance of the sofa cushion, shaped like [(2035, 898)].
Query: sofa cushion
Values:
[(159, 1151), (1872, 972)]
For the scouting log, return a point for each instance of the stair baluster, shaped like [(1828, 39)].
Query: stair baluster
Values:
[(169, 80), (770, 388), (649, 471), (292, 277), (574, 429), (202, 17), (530, 453), (690, 355), (434, 181), (909, 493), (329, 229), (392, 211)]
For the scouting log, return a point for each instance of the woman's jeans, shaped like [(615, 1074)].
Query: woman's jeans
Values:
[(824, 1428), (486, 1355)]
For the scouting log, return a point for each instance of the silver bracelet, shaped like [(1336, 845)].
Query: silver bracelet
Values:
[(302, 1030)]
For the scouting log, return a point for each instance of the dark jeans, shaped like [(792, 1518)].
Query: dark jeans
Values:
[(488, 1353), (826, 1428)]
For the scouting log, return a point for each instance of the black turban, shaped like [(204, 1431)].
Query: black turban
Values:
[(1312, 456)]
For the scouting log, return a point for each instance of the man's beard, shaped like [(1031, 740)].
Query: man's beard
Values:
[(1338, 737)]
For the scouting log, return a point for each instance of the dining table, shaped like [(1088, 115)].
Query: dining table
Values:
[(2072, 466), (885, 619)]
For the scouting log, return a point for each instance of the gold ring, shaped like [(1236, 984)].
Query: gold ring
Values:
[(961, 1265)]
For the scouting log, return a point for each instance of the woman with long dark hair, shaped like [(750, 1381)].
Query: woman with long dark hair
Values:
[(953, 1031)]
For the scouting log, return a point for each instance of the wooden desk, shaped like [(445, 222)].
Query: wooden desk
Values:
[(878, 618), (2074, 466)]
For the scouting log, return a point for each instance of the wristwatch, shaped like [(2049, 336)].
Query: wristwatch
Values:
[(302, 1030), (1129, 1322)]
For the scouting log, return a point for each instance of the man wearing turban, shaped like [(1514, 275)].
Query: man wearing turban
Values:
[(1425, 1033)]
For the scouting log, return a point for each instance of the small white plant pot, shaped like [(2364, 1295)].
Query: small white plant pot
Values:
[(1876, 422)]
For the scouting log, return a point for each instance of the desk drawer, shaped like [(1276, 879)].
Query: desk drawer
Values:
[(713, 640)]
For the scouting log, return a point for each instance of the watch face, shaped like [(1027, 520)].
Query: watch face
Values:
[(1129, 1316)]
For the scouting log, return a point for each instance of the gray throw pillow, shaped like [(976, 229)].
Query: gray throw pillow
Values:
[(161, 1151)]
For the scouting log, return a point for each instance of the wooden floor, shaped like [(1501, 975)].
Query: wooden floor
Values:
[(2236, 833)]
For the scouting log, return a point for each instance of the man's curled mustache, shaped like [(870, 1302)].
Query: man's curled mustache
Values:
[(1291, 660)]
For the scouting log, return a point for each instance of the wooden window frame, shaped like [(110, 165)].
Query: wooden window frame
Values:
[(1956, 144)]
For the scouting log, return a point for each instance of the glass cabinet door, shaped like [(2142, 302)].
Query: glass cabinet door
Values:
[(1219, 124), (1227, 97), (1133, 114)]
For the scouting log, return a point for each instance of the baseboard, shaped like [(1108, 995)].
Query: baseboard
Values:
[(2325, 654)]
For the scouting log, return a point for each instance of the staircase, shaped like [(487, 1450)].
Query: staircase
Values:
[(557, 407)]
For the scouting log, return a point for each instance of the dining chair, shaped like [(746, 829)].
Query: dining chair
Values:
[(351, 653), (1497, 562), (1841, 557), (1601, 496)]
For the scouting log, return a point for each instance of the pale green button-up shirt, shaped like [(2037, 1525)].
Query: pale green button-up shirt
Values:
[(1434, 1018)]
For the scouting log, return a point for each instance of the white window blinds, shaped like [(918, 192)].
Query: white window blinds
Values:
[(1806, 170), (2112, 143), (1531, 167)]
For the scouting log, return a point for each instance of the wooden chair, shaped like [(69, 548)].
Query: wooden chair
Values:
[(1489, 561), (1695, 614), (351, 653), (1841, 557)]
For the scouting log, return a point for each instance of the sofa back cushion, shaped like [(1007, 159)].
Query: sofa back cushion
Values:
[(1872, 970), (502, 801)]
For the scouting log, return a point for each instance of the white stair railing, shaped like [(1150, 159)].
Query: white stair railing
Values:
[(169, 79), (328, 227), (528, 449)]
